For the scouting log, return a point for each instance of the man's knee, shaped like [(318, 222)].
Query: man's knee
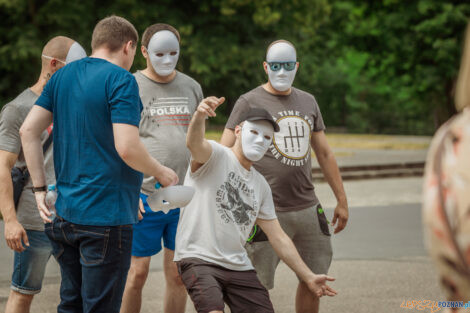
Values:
[(305, 291), (137, 275), (173, 278)]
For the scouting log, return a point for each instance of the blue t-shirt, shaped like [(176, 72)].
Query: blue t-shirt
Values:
[(95, 186)]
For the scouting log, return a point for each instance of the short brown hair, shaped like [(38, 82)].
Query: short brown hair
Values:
[(279, 41), (155, 28), (113, 32)]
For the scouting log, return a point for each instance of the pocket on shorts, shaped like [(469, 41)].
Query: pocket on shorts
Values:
[(322, 221), (93, 243)]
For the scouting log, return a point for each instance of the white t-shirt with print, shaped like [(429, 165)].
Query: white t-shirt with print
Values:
[(214, 226)]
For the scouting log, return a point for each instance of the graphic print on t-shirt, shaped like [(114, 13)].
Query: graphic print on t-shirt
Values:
[(291, 145), (170, 111), (236, 202)]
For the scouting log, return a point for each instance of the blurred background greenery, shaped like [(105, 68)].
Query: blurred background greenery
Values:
[(377, 66)]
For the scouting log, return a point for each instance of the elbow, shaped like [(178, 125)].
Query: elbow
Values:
[(124, 151), (23, 131), (190, 143)]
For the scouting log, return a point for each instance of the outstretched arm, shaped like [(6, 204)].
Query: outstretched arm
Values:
[(329, 167), (200, 149), (285, 249)]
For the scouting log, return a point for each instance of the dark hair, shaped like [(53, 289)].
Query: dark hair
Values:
[(152, 29), (113, 32)]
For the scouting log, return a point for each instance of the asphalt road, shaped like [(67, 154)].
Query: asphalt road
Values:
[(379, 259)]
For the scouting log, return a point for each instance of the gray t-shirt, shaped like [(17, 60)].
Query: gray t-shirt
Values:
[(287, 165), (227, 201), (168, 109), (11, 118)]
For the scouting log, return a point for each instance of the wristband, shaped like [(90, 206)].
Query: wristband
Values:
[(38, 189)]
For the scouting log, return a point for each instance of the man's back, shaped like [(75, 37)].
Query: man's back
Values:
[(95, 186)]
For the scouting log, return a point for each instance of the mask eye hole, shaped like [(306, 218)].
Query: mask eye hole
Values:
[(289, 66), (159, 54), (254, 132), (275, 66), (173, 53), (267, 137)]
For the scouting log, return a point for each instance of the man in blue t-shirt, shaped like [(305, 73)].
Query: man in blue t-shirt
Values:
[(99, 160)]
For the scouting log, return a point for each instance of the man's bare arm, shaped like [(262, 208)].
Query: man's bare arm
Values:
[(199, 147), (228, 137), (133, 152), (36, 122), (329, 167), (285, 249), (14, 231)]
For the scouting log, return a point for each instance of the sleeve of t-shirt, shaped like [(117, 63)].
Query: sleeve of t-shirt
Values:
[(10, 123), (239, 109), (199, 94), (267, 210), (318, 124), (124, 101), (45, 100), (213, 164)]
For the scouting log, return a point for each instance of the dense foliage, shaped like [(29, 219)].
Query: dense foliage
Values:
[(385, 66)]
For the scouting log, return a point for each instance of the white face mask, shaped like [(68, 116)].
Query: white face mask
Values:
[(163, 51), (256, 139), (76, 52), (282, 79)]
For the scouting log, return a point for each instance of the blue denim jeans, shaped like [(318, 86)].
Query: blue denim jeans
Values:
[(30, 265), (94, 261)]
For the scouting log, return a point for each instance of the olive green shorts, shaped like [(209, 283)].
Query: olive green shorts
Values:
[(308, 229)]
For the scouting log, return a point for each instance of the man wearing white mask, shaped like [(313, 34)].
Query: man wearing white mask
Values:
[(287, 168), (169, 98), (24, 228), (230, 196)]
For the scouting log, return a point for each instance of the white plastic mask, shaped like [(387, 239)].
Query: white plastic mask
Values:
[(76, 52), (256, 139), (163, 50), (282, 79)]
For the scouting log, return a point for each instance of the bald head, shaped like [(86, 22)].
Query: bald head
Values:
[(58, 48)]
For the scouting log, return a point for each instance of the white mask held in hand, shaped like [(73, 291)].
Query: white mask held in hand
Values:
[(282, 67), (163, 51), (256, 139)]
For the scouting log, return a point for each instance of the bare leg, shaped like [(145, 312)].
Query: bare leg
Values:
[(18, 302), (305, 301), (175, 292), (138, 272)]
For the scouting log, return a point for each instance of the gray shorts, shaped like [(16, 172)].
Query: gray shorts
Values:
[(308, 229)]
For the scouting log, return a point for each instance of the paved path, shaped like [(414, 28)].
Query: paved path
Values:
[(379, 260)]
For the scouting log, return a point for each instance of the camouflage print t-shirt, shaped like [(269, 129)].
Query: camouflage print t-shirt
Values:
[(447, 226)]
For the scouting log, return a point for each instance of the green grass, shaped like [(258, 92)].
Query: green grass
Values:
[(360, 141)]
